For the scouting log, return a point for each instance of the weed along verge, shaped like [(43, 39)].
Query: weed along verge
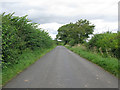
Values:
[(23, 42), (110, 64), (28, 58)]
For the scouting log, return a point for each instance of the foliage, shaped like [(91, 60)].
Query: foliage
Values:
[(118, 50), (109, 64), (18, 35), (105, 43), (75, 33), (26, 59), (59, 42), (72, 42)]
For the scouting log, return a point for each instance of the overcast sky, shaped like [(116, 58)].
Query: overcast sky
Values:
[(51, 14)]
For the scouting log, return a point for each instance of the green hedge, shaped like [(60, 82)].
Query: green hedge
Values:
[(105, 43), (18, 35)]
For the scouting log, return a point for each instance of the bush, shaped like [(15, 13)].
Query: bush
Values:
[(106, 43)]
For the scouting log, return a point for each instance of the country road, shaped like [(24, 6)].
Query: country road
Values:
[(61, 68)]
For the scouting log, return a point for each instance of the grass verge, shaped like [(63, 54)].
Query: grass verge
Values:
[(109, 64), (26, 59)]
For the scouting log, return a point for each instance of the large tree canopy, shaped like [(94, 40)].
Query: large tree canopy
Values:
[(75, 32)]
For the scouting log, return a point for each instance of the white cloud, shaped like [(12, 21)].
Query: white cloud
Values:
[(52, 14), (103, 26), (51, 28), (76, 7)]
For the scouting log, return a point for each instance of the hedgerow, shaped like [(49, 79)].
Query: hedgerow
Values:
[(18, 35), (105, 43)]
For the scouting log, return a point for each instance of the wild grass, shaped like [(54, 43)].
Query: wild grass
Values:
[(0, 78), (26, 59), (108, 63)]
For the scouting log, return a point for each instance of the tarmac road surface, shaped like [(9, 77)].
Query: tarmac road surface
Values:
[(61, 68)]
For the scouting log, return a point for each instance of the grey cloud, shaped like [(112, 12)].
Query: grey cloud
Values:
[(43, 12), (62, 20), (41, 15)]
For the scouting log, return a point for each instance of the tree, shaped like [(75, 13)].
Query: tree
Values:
[(77, 32)]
